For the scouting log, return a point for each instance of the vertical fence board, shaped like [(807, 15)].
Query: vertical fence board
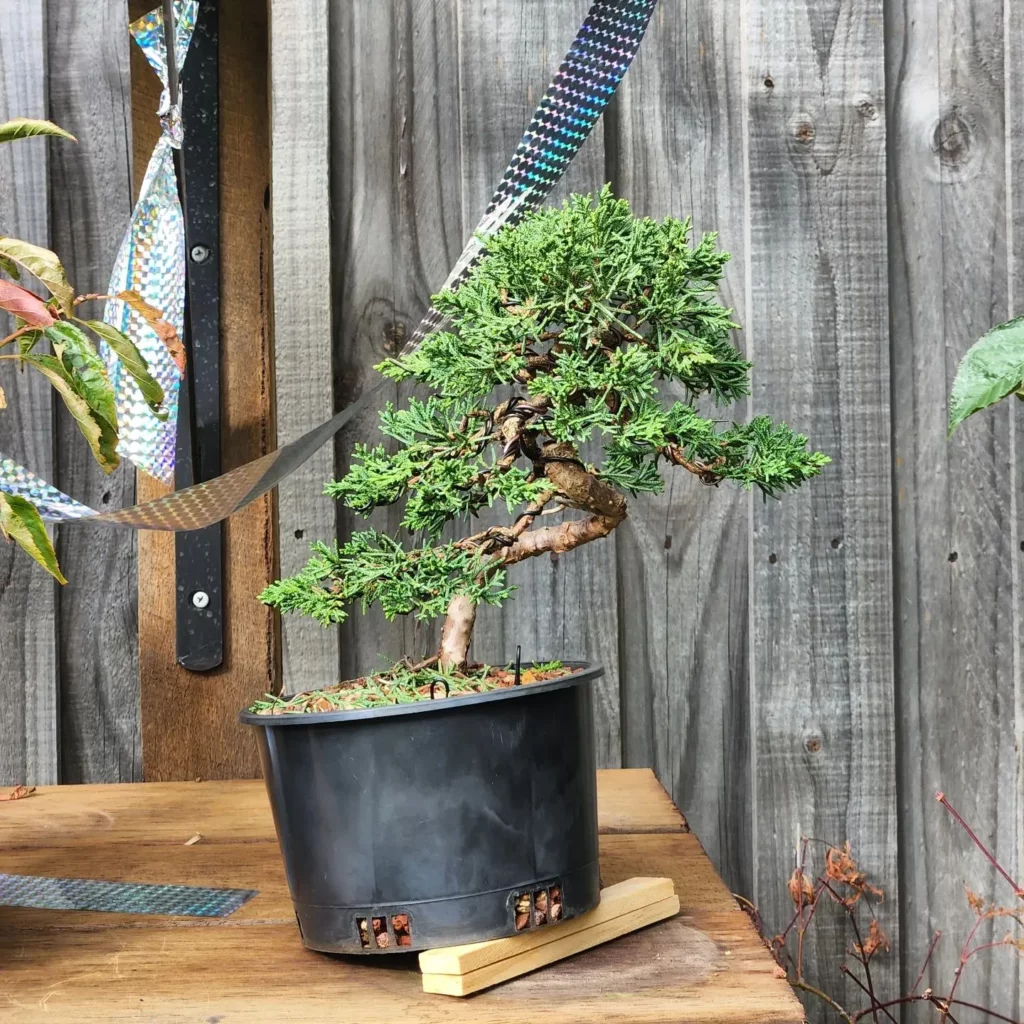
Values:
[(397, 229), (28, 681), (955, 514), (189, 719), (301, 239), (567, 606), (90, 196), (676, 147), (822, 684)]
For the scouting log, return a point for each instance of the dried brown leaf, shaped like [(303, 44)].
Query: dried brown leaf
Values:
[(841, 867), (155, 318), (801, 892), (876, 940), (18, 793)]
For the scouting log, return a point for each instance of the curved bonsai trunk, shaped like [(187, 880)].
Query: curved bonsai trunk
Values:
[(576, 488), (457, 633)]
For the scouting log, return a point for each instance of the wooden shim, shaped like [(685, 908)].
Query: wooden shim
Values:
[(675, 148), (616, 900), (189, 720), (954, 78), (28, 641), (301, 249), (822, 689), (513, 967), (90, 183)]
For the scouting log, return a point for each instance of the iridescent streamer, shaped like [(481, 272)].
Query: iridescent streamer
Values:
[(151, 262), (43, 892), (598, 58)]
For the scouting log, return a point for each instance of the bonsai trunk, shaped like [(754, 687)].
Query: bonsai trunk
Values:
[(457, 633), (574, 488)]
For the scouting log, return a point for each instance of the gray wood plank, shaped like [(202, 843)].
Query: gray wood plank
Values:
[(817, 329), (28, 640), (566, 606), (397, 228), (957, 521), (676, 148), (301, 238), (90, 188)]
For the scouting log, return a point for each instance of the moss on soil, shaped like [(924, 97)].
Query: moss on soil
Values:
[(404, 685)]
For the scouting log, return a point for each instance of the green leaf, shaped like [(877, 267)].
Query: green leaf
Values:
[(132, 360), (992, 369), (20, 521), (26, 127), (44, 264), (86, 369), (98, 432), (8, 266)]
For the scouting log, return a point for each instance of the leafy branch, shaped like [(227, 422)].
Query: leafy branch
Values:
[(52, 340)]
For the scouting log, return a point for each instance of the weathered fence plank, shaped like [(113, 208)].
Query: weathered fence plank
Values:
[(957, 517), (567, 606), (28, 622), (301, 240), (189, 719), (397, 228), (817, 329), (90, 198), (676, 147)]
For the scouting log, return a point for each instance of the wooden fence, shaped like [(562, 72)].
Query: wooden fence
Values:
[(818, 666)]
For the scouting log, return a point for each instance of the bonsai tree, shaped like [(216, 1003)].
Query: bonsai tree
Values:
[(73, 366), (566, 331)]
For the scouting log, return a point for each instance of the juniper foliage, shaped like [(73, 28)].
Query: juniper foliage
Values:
[(583, 315)]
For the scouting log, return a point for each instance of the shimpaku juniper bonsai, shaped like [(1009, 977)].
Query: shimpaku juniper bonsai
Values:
[(566, 330)]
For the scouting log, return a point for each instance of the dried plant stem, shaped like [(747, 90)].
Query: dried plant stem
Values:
[(827, 999), (1017, 890), (927, 960)]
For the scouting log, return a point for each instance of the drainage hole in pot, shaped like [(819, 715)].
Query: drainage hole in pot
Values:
[(540, 907), (555, 903), (522, 911), (400, 926), (380, 932), (364, 931)]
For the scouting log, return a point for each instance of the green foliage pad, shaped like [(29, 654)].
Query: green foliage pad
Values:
[(581, 324)]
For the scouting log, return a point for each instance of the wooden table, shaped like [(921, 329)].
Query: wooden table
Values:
[(705, 965)]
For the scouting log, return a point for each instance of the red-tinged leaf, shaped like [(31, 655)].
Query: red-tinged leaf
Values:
[(24, 304), (155, 318), (44, 264)]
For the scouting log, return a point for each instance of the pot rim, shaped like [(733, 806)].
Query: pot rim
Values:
[(583, 672)]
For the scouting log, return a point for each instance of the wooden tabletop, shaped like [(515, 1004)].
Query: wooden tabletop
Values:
[(706, 965)]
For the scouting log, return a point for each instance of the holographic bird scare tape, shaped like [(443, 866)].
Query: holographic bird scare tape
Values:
[(43, 893), (152, 257)]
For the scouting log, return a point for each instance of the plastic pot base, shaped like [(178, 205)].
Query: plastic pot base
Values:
[(431, 824)]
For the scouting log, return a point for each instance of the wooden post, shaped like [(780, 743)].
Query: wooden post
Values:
[(189, 726)]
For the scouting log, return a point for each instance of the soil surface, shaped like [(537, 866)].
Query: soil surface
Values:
[(403, 685)]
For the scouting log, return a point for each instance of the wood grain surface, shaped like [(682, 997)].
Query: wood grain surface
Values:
[(251, 966)]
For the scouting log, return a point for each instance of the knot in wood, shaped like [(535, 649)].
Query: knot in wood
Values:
[(952, 139)]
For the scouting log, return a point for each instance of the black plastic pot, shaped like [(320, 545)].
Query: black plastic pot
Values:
[(430, 824)]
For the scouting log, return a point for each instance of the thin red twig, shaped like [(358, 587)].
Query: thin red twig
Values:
[(927, 960), (1017, 890)]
